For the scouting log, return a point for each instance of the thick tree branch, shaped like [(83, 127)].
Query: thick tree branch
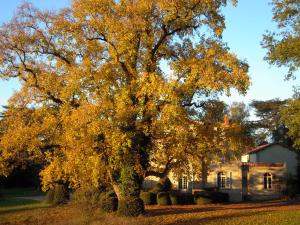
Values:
[(168, 167), (194, 104)]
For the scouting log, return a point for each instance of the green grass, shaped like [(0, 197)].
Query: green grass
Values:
[(17, 204), (260, 218), (21, 192), (16, 199)]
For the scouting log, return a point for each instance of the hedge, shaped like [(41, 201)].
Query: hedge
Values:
[(148, 198), (215, 196), (186, 199), (58, 195), (49, 196), (109, 204), (87, 197), (1, 197), (109, 201), (163, 185), (133, 207), (163, 198), (174, 197), (202, 200), (220, 197)]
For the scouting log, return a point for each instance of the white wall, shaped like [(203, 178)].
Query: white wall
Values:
[(245, 158), (253, 158), (235, 189), (277, 154)]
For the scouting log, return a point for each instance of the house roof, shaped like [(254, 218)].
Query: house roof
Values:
[(262, 164), (259, 148)]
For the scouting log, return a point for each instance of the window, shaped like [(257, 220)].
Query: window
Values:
[(267, 181), (184, 182), (221, 180)]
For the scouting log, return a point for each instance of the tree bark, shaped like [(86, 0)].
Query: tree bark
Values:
[(204, 172)]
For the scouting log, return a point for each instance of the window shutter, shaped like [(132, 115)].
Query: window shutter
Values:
[(180, 183), (216, 180), (228, 180)]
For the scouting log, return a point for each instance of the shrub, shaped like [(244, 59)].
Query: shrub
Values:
[(203, 193), (186, 199), (87, 197), (133, 207), (109, 201), (210, 189), (163, 185), (1, 197), (174, 198), (49, 196), (109, 204), (215, 196), (60, 195), (291, 188), (108, 193), (220, 197), (163, 198), (148, 198), (166, 184), (158, 188), (202, 200)]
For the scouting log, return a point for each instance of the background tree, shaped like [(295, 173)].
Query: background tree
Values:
[(239, 115), (283, 50), (290, 115), (213, 111), (283, 47), (239, 112), (96, 105), (270, 126)]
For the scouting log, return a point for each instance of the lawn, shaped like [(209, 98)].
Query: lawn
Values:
[(18, 199), (244, 213), (21, 192)]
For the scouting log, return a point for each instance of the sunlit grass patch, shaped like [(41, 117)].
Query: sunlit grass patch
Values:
[(258, 218), (18, 203), (16, 199)]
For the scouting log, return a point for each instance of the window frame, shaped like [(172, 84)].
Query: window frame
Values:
[(268, 179), (184, 183), (221, 180)]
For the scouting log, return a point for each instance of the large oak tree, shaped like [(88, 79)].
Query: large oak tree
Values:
[(97, 104)]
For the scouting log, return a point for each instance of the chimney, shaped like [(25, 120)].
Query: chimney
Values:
[(226, 120)]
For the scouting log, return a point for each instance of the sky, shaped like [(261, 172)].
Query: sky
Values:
[(245, 25)]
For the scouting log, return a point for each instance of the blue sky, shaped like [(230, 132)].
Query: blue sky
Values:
[(245, 24)]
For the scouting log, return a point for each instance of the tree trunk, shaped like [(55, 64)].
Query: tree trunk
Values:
[(204, 172), (127, 188), (117, 190)]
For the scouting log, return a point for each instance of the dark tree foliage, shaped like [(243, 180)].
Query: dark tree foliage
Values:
[(283, 46), (269, 125)]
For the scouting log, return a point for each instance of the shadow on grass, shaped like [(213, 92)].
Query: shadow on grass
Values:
[(178, 210)]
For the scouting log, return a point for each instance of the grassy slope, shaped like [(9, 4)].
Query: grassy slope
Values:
[(246, 213), (21, 192), (16, 199)]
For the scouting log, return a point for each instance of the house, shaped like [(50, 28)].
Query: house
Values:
[(247, 180), (273, 153), (261, 174)]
